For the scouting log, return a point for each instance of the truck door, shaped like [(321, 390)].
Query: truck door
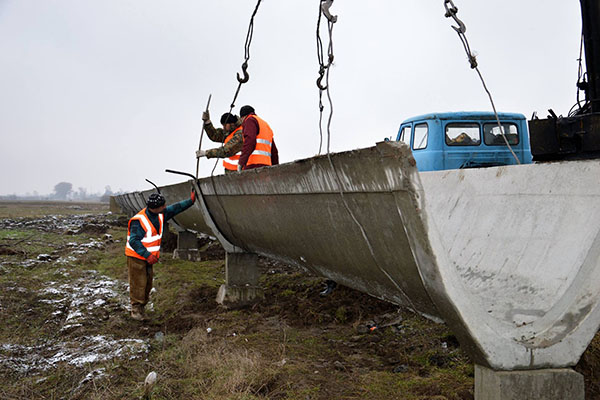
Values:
[(405, 134)]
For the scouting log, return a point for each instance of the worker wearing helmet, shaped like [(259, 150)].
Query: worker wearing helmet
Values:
[(259, 149), (231, 137), (144, 234)]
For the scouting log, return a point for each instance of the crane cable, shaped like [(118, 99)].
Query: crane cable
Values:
[(246, 75), (324, 6), (241, 80), (324, 69), (581, 84), (461, 29)]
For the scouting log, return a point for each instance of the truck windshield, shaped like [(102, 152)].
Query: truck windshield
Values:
[(492, 136), (463, 134)]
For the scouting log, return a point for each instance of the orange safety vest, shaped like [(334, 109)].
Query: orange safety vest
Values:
[(231, 163), (264, 142), (152, 238)]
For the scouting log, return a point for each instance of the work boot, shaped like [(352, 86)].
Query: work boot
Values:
[(329, 286), (137, 312)]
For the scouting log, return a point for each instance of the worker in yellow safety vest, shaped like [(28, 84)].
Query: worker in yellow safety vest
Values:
[(144, 235)]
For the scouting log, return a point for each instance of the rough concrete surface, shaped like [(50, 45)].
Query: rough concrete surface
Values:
[(509, 257), (547, 384)]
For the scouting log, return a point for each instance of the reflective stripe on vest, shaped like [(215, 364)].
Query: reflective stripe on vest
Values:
[(231, 163), (151, 239), (264, 141)]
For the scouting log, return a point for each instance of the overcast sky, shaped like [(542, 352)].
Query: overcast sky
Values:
[(109, 92)]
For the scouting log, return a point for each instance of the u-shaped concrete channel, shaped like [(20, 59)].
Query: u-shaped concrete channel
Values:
[(508, 257)]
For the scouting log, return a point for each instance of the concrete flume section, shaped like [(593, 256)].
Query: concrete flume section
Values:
[(509, 257)]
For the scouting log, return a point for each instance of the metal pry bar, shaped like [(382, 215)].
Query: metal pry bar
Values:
[(180, 173), (152, 183)]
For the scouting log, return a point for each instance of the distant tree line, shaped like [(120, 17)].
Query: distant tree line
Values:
[(63, 191)]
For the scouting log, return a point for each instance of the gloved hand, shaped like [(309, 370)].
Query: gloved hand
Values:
[(193, 196), (239, 168), (200, 153), (152, 259), (205, 117)]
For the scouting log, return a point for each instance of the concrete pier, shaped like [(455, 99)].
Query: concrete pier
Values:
[(543, 384), (187, 246), (241, 280)]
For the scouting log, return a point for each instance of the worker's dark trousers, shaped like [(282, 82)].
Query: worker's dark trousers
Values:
[(140, 281)]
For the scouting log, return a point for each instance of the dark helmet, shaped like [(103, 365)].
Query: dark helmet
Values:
[(228, 118), (245, 110), (155, 200)]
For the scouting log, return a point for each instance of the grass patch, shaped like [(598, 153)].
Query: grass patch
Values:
[(294, 345)]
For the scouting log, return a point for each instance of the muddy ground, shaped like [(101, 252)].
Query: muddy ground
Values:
[(66, 333)]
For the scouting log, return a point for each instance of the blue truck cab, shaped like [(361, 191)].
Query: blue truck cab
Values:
[(456, 140)]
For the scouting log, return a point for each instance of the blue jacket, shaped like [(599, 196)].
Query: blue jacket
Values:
[(138, 233)]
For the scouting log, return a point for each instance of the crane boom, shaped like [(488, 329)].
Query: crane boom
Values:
[(578, 134)]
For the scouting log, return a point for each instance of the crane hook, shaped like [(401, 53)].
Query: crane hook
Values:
[(320, 79), (451, 13), (246, 77)]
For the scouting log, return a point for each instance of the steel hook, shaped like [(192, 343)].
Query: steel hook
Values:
[(451, 13), (320, 79), (246, 77)]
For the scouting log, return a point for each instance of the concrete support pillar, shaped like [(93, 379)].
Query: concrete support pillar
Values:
[(241, 280), (543, 384), (187, 246)]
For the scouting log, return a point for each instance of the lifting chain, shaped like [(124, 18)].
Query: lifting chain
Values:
[(461, 29), (324, 6)]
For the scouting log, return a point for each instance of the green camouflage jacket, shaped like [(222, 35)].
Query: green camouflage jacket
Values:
[(218, 135)]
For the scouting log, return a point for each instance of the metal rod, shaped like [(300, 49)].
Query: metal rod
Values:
[(152, 183), (180, 173), (201, 135)]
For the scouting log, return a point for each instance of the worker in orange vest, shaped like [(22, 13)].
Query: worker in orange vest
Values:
[(144, 234), (231, 137), (259, 149)]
